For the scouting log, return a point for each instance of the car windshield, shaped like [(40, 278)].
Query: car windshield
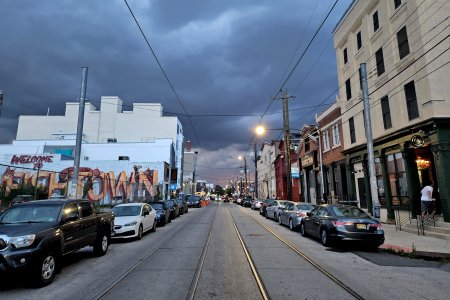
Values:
[(307, 207), (127, 210), (169, 204), (194, 198), (180, 201), (157, 205), (353, 212), (31, 213)]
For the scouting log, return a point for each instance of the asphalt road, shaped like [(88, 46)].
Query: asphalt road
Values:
[(200, 256)]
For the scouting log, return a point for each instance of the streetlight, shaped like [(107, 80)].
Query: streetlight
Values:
[(317, 140), (245, 170)]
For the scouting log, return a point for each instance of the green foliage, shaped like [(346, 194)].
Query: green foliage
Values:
[(219, 190)]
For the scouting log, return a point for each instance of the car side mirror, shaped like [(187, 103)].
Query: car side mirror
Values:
[(146, 213), (71, 217), (309, 214)]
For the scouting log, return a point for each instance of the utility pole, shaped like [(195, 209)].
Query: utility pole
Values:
[(76, 167), (368, 128), (287, 144), (256, 170)]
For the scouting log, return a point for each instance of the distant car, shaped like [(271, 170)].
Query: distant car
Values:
[(162, 212), (194, 201), (239, 200), (227, 199), (333, 223), (256, 204), (20, 199), (247, 201), (132, 220), (293, 213), (273, 210), (173, 207), (184, 206)]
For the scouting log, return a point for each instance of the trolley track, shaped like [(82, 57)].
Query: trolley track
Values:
[(302, 255)]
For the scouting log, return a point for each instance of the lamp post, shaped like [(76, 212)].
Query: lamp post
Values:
[(317, 140), (245, 171)]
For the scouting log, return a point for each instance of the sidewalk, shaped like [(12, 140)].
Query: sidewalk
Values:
[(407, 242)]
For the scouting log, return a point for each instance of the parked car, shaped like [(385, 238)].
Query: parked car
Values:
[(273, 209), (194, 201), (264, 205), (184, 206), (293, 213), (173, 207), (35, 236), (132, 220), (162, 212), (247, 201), (239, 200), (333, 223), (256, 204), (20, 199)]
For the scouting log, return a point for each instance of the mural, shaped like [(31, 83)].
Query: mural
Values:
[(93, 183)]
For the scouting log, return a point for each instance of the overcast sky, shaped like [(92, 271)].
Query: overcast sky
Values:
[(224, 58)]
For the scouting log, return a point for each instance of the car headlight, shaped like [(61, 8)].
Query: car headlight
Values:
[(22, 241), (131, 223)]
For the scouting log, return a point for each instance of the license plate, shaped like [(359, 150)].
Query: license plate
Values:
[(361, 226)]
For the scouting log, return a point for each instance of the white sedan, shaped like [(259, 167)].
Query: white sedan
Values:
[(133, 219)]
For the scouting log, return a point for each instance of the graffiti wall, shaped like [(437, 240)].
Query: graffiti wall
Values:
[(101, 181)]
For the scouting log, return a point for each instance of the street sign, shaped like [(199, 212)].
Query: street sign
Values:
[(173, 187)]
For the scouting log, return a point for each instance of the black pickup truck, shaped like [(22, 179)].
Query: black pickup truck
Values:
[(35, 236)]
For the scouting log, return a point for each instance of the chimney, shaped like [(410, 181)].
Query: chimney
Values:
[(188, 146)]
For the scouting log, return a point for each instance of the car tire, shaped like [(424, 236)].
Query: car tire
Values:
[(101, 244), (279, 221), (302, 229), (324, 238), (163, 222), (275, 218), (45, 269), (291, 225), (154, 226), (140, 232)]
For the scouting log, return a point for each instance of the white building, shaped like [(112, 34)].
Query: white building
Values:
[(111, 123), (266, 170)]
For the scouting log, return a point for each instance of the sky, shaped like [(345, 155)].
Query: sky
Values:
[(225, 59)]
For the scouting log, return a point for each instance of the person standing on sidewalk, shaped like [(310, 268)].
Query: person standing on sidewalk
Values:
[(427, 199)]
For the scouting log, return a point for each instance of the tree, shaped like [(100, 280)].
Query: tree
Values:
[(219, 190)]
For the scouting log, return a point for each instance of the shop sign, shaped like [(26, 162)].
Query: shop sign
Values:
[(307, 160), (295, 171), (37, 160)]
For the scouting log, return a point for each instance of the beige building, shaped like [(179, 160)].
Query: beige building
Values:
[(404, 44), (266, 170)]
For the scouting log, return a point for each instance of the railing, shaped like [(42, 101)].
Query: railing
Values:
[(426, 221), (402, 216)]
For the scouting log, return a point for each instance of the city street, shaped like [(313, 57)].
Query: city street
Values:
[(200, 256)]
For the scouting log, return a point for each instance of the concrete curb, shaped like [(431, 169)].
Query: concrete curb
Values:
[(419, 254)]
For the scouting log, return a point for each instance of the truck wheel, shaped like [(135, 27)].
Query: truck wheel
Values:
[(101, 244), (45, 269)]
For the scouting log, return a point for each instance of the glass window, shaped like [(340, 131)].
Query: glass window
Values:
[(33, 213), (376, 23), (326, 140), (351, 124), (86, 209), (345, 56), (380, 61), (336, 135), (126, 210), (386, 112), (349, 211), (348, 89), (71, 208), (323, 212), (411, 101), (358, 40), (402, 41)]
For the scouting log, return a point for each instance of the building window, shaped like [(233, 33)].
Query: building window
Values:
[(397, 3), (386, 112), (348, 89), (336, 135), (326, 140), (376, 23), (402, 41), (307, 147), (358, 40), (397, 179), (380, 61), (345, 56), (351, 125), (411, 101)]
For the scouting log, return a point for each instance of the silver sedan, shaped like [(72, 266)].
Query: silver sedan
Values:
[(293, 213)]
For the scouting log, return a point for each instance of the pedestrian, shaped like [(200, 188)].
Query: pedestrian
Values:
[(427, 199)]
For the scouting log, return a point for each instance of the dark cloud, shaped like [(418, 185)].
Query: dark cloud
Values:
[(222, 57)]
